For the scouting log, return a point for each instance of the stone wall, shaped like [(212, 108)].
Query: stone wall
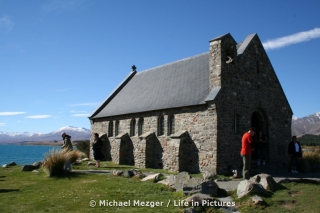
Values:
[(208, 136), (249, 87), (196, 147)]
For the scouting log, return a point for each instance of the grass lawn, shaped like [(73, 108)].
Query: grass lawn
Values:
[(298, 196), (36, 192)]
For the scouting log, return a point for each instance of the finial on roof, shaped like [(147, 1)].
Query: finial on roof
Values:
[(134, 68)]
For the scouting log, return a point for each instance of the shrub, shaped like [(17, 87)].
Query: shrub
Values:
[(313, 157), (55, 160), (83, 146)]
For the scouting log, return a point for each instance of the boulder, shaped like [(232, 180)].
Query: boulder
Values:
[(154, 177), (246, 186), (184, 182), (12, 164), (37, 164), (257, 200), (28, 168), (199, 197), (117, 172), (266, 181), (5, 166), (169, 181), (198, 185), (128, 173)]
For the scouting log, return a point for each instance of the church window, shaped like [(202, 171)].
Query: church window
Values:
[(140, 126), (110, 129), (116, 131), (133, 127), (171, 125), (160, 125)]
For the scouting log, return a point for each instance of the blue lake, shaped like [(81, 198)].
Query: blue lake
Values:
[(23, 154)]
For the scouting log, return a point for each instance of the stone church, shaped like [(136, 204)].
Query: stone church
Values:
[(190, 115)]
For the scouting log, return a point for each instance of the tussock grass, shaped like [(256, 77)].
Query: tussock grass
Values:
[(55, 160), (313, 157)]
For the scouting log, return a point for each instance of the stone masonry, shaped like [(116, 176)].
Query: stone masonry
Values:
[(208, 136)]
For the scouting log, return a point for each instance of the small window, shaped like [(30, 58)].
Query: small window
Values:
[(160, 125), (133, 127), (171, 127), (110, 129), (140, 126), (116, 131), (258, 66)]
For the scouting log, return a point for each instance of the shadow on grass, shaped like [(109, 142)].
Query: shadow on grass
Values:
[(69, 175), (307, 181), (117, 167), (8, 190)]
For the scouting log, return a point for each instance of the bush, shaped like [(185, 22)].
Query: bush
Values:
[(55, 160), (313, 157), (83, 146)]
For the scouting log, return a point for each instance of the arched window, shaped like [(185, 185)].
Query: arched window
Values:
[(161, 125), (140, 126), (110, 129), (133, 127), (171, 125), (116, 131)]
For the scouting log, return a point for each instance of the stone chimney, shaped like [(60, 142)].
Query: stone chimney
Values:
[(223, 57)]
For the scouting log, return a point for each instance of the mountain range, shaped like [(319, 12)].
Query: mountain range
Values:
[(76, 133), (300, 126), (306, 125)]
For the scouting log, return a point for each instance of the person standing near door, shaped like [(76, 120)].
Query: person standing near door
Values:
[(246, 150)]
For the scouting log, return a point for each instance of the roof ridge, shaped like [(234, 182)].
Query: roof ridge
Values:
[(173, 62)]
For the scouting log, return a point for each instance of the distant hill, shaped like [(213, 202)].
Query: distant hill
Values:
[(76, 133), (309, 140), (306, 125)]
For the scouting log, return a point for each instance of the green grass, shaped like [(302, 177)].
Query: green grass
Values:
[(299, 196), (36, 192)]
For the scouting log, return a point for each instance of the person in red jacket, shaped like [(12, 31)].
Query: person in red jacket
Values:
[(246, 149)]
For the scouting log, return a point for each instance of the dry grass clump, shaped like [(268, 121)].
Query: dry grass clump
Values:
[(313, 156), (74, 155), (55, 160)]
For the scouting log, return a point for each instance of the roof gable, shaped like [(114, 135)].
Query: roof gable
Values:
[(181, 83)]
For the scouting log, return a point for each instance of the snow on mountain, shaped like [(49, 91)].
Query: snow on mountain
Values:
[(76, 133), (306, 125)]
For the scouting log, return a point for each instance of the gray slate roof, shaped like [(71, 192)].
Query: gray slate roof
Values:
[(181, 83), (177, 84)]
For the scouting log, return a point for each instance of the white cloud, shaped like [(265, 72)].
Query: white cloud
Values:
[(2, 124), (292, 39), (6, 24), (84, 104), (11, 113), (38, 116), (81, 115)]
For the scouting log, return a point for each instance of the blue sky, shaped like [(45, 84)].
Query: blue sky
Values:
[(60, 59)]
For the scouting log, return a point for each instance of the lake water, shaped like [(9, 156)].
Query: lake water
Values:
[(23, 154)]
